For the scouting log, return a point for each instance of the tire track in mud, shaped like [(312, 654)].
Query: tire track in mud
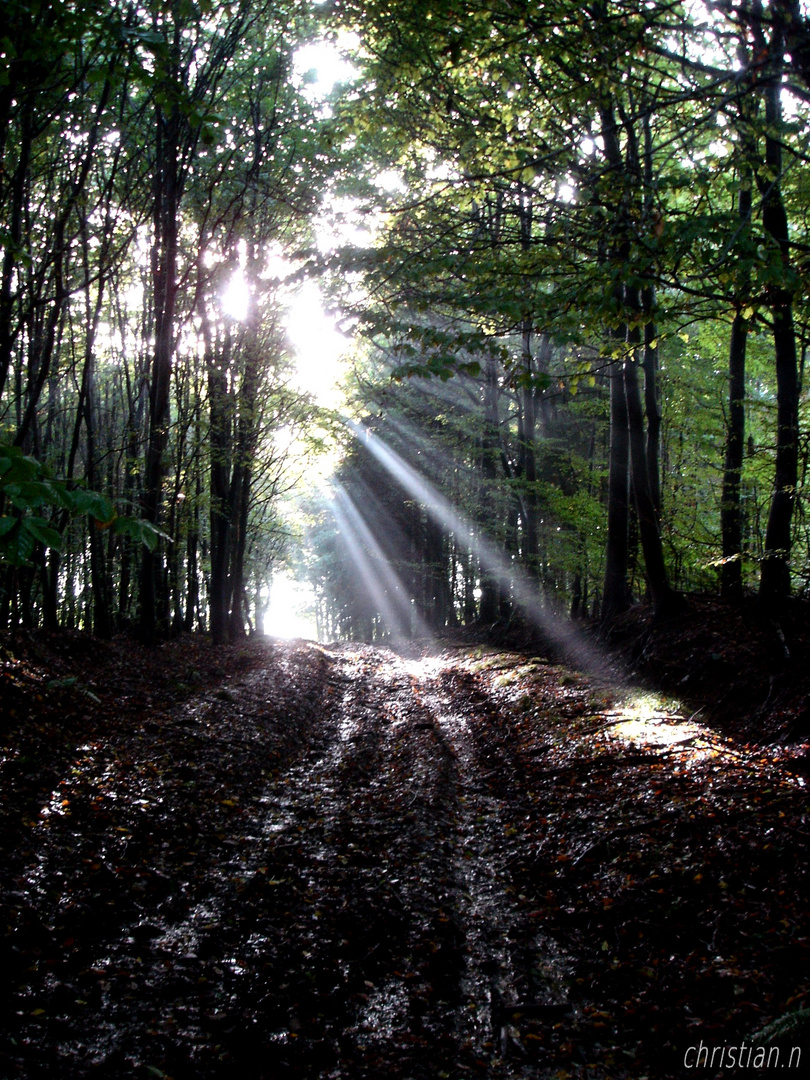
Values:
[(363, 829), (346, 909), (119, 906), (412, 951), (510, 969)]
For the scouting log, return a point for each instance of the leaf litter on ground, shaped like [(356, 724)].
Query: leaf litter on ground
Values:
[(348, 862)]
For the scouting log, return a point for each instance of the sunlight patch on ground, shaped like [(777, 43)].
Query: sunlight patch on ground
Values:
[(288, 610), (648, 722), (424, 667)]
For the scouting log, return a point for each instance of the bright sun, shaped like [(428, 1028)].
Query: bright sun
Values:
[(322, 64), (318, 346), (316, 342), (235, 299)]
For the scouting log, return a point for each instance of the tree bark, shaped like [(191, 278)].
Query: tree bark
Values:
[(490, 445), (527, 458), (616, 590), (219, 475), (774, 587), (652, 407), (167, 204), (663, 596)]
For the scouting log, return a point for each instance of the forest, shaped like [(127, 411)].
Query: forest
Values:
[(569, 247), (531, 804)]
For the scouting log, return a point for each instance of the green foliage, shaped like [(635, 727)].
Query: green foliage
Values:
[(793, 1024), (27, 488), (516, 213)]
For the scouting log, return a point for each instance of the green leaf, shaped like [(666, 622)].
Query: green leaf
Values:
[(16, 467), (94, 504), (137, 529), (43, 532), (30, 494)]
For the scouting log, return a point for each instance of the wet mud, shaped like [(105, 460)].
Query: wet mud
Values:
[(349, 862)]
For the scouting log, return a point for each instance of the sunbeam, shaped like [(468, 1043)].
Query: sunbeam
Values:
[(413, 437), (510, 577), (384, 585)]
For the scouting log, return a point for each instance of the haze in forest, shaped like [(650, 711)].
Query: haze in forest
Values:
[(552, 265), (469, 339)]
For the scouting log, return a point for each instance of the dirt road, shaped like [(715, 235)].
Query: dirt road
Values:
[(346, 862)]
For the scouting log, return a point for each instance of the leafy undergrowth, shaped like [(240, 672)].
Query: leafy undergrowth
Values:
[(286, 860)]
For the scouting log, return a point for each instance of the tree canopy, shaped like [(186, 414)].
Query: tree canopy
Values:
[(580, 309), (598, 232)]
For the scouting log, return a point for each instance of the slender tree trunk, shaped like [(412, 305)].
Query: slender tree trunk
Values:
[(528, 454), (12, 247), (616, 591), (774, 587), (490, 445), (167, 202), (219, 475), (239, 504), (528, 409), (663, 596), (135, 419), (731, 577), (242, 479), (652, 406), (731, 516), (43, 345), (192, 548), (102, 624)]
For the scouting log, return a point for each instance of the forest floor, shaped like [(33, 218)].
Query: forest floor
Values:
[(285, 859)]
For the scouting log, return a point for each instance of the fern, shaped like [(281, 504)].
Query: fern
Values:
[(796, 1022)]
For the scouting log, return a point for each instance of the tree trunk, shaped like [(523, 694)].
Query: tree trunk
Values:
[(239, 505), (731, 577), (652, 408), (167, 202), (528, 395), (193, 541), (616, 591), (490, 448), (663, 596), (219, 475), (731, 517), (528, 454), (245, 451), (12, 246), (774, 587)]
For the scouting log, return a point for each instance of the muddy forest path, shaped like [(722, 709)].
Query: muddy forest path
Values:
[(350, 862)]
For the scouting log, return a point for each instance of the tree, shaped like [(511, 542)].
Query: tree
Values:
[(775, 580), (474, 105), (131, 136)]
